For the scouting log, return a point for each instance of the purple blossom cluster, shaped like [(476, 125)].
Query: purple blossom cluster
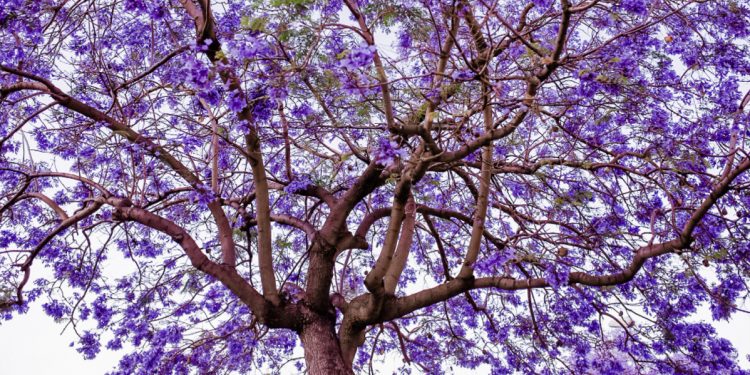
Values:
[(388, 152), (358, 57), (236, 101), (197, 74), (211, 188)]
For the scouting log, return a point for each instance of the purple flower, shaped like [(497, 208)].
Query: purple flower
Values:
[(247, 47), (261, 104), (196, 73), (543, 3), (388, 152), (202, 195), (301, 111), (89, 345), (102, 313), (404, 40), (299, 183), (557, 275), (724, 296), (359, 57), (55, 309), (639, 7), (463, 75), (236, 101)]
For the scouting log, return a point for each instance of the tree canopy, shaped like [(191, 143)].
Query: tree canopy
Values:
[(209, 186)]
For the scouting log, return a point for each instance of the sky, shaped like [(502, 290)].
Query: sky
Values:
[(33, 344)]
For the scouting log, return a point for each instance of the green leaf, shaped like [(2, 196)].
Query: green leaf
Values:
[(285, 35), (258, 24), (245, 22), (281, 3), (363, 111), (719, 254)]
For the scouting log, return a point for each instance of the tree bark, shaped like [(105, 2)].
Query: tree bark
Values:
[(323, 350)]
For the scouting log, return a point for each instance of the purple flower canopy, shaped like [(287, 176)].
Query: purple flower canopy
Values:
[(553, 186)]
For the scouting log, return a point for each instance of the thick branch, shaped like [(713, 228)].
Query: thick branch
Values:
[(124, 210), (205, 31), (402, 306), (390, 280), (225, 230), (480, 213)]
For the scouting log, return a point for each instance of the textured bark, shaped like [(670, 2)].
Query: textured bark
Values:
[(322, 349)]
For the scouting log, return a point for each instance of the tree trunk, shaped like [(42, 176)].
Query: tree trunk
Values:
[(322, 349)]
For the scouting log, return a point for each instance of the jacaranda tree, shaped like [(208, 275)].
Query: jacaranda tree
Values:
[(210, 186)]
